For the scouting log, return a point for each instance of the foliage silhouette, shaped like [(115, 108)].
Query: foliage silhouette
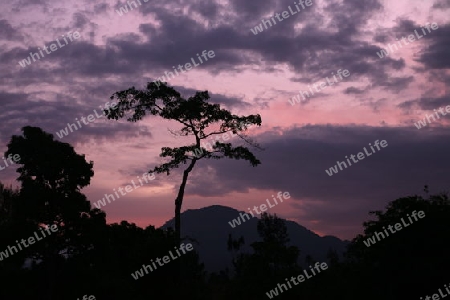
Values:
[(51, 176), (412, 261), (271, 262)]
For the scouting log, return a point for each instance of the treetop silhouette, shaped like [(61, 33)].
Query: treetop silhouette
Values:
[(51, 176)]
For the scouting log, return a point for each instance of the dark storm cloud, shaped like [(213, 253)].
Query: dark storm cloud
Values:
[(395, 85), (178, 32), (19, 110), (230, 102), (313, 48), (101, 8), (306, 51), (436, 55), (224, 101), (87, 59), (80, 20), (253, 8), (405, 27), (7, 32), (441, 4), (206, 8), (297, 162), (349, 15), (381, 38), (426, 103), (407, 105), (353, 90), (21, 4)]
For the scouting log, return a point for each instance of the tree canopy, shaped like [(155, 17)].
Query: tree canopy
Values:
[(195, 115)]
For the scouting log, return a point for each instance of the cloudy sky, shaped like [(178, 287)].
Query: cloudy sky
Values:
[(381, 99)]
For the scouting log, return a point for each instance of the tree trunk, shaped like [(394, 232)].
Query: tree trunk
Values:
[(179, 201)]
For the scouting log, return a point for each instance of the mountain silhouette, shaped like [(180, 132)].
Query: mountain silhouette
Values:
[(209, 227)]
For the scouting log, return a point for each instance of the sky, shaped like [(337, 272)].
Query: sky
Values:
[(262, 73)]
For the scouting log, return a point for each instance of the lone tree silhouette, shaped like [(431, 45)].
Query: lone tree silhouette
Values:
[(196, 115)]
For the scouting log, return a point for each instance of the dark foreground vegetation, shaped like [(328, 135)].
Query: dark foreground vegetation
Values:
[(86, 256)]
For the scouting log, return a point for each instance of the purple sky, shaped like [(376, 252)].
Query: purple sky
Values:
[(380, 100)]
